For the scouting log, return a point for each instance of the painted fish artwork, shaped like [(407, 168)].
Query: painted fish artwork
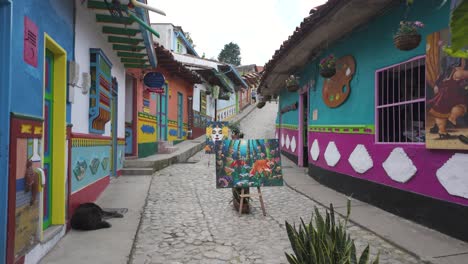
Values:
[(248, 163), (215, 131)]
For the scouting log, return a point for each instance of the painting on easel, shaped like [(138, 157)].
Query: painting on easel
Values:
[(215, 131), (248, 163)]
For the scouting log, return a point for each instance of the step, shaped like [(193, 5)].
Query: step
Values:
[(167, 150), (137, 171)]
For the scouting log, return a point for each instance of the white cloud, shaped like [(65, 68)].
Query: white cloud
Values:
[(259, 27)]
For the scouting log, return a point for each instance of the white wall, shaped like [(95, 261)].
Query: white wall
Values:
[(128, 98), (196, 96), (89, 35), (166, 32)]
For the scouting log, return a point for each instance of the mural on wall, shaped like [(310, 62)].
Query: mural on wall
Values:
[(446, 96), (215, 131), (147, 127), (80, 169), (27, 194), (337, 88), (248, 163)]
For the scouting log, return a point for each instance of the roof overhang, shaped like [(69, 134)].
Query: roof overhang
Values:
[(187, 43), (214, 77), (232, 73), (169, 63), (329, 23), (129, 35)]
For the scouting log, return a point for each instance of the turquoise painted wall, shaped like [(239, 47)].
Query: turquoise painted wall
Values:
[(86, 155), (372, 48), (288, 98), (54, 17)]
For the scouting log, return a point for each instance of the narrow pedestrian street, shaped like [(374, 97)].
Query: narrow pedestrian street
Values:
[(187, 220)]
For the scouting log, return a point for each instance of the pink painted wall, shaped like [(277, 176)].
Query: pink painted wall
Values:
[(426, 161)]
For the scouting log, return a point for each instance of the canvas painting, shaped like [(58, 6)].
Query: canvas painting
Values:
[(215, 131), (248, 163), (446, 95)]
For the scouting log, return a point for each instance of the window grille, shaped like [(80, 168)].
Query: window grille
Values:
[(400, 102)]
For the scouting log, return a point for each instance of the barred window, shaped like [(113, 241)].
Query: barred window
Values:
[(400, 102)]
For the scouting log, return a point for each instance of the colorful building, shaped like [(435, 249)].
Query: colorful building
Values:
[(39, 113), (371, 130), (164, 115), (60, 109)]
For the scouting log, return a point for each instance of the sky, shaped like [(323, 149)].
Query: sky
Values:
[(259, 27)]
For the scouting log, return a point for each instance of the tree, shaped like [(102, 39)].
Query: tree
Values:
[(230, 54), (189, 38)]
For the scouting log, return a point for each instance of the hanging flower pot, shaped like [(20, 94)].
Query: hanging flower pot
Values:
[(207, 92), (328, 66), (407, 42), (327, 72), (407, 37), (292, 83), (260, 104)]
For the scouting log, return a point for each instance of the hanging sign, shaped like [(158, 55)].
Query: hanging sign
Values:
[(154, 82)]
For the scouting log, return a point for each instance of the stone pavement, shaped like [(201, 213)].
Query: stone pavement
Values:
[(188, 220)]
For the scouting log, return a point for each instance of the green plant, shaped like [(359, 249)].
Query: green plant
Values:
[(324, 242), (328, 62), (292, 80), (234, 127), (409, 28)]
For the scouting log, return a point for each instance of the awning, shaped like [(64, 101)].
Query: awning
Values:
[(232, 73), (167, 61), (129, 35), (214, 77)]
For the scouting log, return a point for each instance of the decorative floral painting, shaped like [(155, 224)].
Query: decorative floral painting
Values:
[(248, 163), (446, 95), (215, 131)]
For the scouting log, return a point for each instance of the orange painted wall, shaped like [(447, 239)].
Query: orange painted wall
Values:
[(176, 85), (140, 91)]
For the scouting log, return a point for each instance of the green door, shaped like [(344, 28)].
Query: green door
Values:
[(48, 148), (161, 113), (180, 115)]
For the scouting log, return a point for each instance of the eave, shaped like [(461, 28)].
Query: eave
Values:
[(329, 23)]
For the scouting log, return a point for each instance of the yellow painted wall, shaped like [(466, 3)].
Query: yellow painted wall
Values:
[(146, 120)]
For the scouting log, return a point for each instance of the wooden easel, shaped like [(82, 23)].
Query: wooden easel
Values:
[(259, 195)]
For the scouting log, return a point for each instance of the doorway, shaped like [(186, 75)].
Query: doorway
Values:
[(303, 153), (114, 127), (180, 115), (161, 114)]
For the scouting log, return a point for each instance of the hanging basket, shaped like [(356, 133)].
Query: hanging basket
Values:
[(260, 105), (292, 88), (407, 42), (207, 92), (327, 72)]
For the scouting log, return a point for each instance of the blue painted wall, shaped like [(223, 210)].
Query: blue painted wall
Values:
[(288, 98), (87, 155), (5, 88), (54, 17), (373, 49)]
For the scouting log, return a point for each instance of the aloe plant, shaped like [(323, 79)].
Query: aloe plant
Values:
[(324, 241)]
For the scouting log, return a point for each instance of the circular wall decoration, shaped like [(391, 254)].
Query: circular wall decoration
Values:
[(337, 88)]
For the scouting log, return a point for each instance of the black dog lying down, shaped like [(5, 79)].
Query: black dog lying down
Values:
[(89, 216)]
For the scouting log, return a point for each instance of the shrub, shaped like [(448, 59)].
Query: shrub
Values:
[(324, 241)]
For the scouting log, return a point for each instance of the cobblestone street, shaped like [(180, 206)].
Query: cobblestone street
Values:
[(188, 220)]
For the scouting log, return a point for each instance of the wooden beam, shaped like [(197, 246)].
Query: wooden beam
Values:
[(120, 31), (140, 66), (132, 60), (131, 54), (101, 5), (127, 47), (110, 19), (133, 41)]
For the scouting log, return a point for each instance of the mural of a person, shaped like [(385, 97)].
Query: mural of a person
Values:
[(450, 102)]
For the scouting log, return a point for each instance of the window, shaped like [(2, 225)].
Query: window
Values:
[(400, 102)]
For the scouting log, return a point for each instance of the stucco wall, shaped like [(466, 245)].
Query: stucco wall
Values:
[(89, 35), (354, 152)]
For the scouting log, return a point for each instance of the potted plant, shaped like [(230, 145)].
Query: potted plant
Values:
[(328, 66), (208, 90), (407, 36), (324, 240), (292, 83)]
